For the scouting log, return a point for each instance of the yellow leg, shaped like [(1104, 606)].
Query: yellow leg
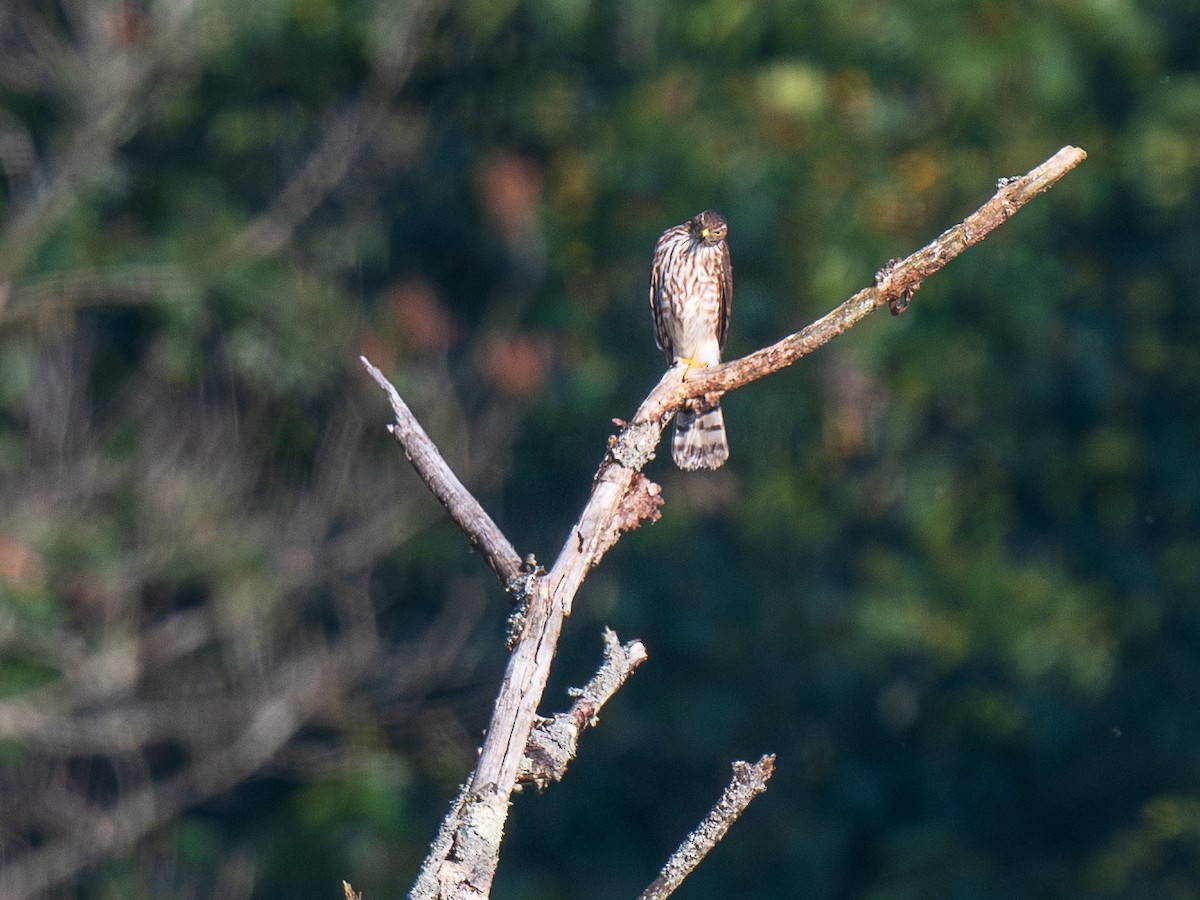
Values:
[(691, 363)]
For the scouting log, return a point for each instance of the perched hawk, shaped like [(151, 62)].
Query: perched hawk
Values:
[(691, 291)]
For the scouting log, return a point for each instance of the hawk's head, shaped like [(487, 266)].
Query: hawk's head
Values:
[(710, 227)]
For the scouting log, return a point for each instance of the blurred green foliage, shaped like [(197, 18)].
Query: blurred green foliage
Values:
[(951, 574)]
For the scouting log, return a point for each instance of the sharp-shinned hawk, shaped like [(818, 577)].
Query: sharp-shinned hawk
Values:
[(691, 292)]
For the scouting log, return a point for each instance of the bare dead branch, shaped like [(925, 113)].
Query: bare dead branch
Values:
[(895, 284), (426, 884), (463, 858), (464, 509), (748, 782), (589, 539), (554, 742)]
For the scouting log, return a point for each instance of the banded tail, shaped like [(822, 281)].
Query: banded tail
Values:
[(700, 441)]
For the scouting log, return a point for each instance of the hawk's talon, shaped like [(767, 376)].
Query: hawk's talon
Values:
[(689, 362)]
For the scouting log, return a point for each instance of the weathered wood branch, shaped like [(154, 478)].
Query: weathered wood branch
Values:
[(464, 509), (463, 857), (895, 284), (748, 782), (555, 741), (628, 452)]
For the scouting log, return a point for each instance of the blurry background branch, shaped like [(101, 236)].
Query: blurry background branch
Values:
[(112, 60), (235, 745), (348, 133)]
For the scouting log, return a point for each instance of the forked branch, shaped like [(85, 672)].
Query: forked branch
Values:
[(463, 858), (554, 742)]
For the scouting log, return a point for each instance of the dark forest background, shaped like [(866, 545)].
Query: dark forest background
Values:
[(951, 574)]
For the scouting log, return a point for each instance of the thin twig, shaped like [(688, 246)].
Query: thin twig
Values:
[(748, 782), (464, 509)]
